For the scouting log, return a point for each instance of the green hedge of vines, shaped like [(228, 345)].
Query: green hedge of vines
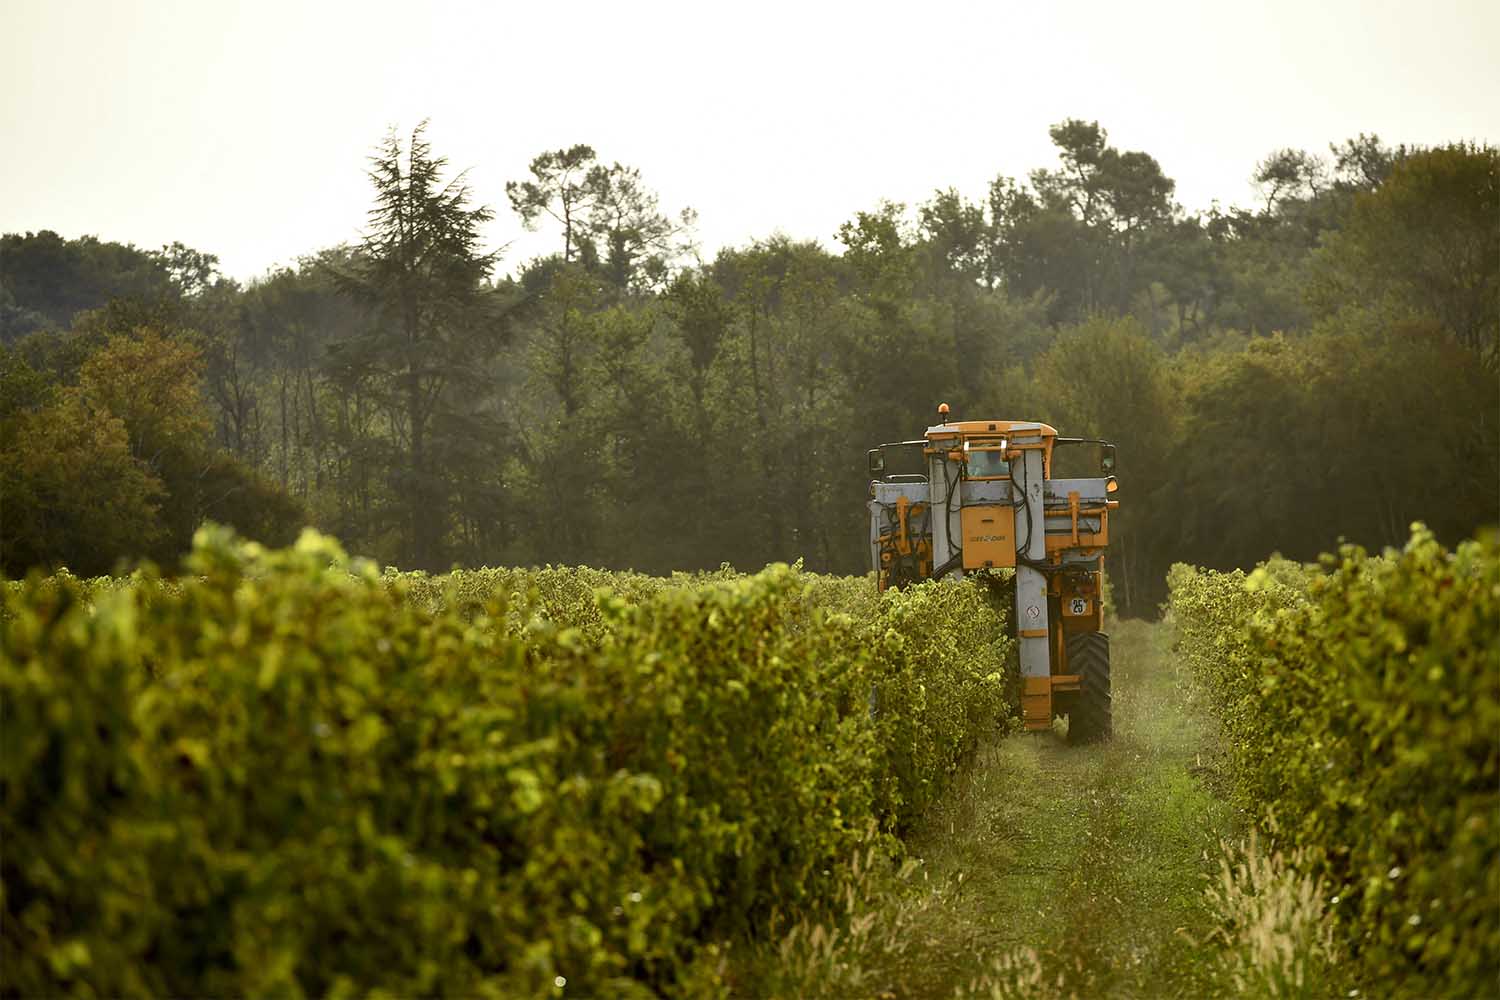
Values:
[(287, 774), (1360, 705)]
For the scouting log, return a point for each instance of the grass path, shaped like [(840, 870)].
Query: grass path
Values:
[(1050, 870)]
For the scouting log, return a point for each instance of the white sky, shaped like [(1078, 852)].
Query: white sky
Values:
[(242, 128)]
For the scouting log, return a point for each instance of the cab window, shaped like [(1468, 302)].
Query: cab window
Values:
[(987, 464)]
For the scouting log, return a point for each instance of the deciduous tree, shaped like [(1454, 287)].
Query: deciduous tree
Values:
[(1424, 243)]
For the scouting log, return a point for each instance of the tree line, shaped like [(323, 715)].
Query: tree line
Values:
[(1321, 365)]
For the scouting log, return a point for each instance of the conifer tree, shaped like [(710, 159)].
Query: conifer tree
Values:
[(421, 275)]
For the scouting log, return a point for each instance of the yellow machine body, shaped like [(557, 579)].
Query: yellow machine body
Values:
[(988, 501), (989, 534)]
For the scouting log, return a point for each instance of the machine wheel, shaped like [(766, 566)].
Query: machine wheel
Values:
[(1089, 718)]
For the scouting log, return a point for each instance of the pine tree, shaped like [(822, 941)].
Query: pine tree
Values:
[(423, 278)]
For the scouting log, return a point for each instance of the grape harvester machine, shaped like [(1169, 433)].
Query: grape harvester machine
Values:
[(983, 497)]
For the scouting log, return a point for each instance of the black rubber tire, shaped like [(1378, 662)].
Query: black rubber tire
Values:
[(1089, 719)]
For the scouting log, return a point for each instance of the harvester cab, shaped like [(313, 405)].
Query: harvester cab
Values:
[(985, 495)]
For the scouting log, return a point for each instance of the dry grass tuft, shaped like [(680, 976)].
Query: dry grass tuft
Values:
[(1277, 931)]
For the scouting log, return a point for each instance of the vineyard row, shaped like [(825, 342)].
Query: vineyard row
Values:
[(288, 774), (1359, 703)]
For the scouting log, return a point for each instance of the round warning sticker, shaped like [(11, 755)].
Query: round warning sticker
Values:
[(1033, 612)]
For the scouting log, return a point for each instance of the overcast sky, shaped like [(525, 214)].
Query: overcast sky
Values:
[(242, 128)]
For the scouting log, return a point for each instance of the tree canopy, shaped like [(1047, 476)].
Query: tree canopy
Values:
[(1320, 365)]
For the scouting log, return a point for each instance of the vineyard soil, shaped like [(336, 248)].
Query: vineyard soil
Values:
[(1052, 870)]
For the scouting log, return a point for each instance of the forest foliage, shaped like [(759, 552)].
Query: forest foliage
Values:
[(1324, 365)]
